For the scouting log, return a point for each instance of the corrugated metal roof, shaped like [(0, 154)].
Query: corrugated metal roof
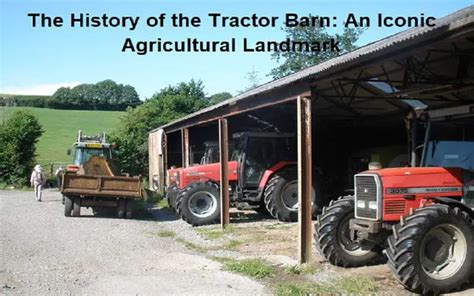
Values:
[(451, 22)]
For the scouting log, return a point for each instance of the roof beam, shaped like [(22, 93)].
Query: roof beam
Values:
[(270, 98)]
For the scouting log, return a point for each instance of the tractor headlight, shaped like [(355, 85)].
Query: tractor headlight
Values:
[(373, 205), (361, 204)]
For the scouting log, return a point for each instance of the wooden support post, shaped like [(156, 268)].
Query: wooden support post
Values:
[(185, 146), (305, 187), (224, 159), (164, 163)]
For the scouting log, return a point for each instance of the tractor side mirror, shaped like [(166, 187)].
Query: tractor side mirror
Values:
[(68, 152)]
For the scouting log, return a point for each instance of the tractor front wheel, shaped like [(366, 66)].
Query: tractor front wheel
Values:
[(171, 196), (199, 203), (432, 250), (333, 239)]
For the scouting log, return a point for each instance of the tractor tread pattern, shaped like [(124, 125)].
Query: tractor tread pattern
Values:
[(270, 196), (402, 243), (269, 199), (326, 241)]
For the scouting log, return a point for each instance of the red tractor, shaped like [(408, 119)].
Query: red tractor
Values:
[(211, 155), (421, 216), (262, 176)]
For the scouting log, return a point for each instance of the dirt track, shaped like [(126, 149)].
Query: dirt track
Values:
[(42, 252)]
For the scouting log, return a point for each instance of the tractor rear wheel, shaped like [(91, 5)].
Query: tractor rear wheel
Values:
[(332, 236), (432, 250), (281, 196), (199, 203), (171, 196), (67, 206)]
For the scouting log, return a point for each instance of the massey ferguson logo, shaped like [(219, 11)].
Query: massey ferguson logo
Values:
[(420, 190)]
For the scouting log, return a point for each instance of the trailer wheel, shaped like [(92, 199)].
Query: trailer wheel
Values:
[(199, 203), (281, 196), (171, 195), (432, 250), (76, 209), (121, 209), (129, 209), (332, 236), (67, 206), (96, 211)]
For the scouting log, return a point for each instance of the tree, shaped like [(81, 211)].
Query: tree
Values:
[(18, 137), (219, 97), (292, 62), (104, 95), (253, 79), (168, 104)]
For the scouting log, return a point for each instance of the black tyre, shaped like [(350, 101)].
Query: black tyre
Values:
[(281, 196), (171, 196), (432, 250), (199, 203), (96, 211), (262, 209), (76, 209), (332, 236), (67, 206), (121, 209), (129, 209)]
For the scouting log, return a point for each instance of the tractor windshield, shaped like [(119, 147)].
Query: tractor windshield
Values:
[(83, 154), (263, 153), (451, 144), (450, 154), (211, 153)]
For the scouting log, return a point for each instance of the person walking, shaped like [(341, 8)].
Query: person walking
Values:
[(59, 172), (37, 181)]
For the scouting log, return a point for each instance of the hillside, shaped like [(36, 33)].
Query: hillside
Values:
[(61, 128), (22, 96)]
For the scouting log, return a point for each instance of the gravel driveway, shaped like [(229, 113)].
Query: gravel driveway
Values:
[(43, 252)]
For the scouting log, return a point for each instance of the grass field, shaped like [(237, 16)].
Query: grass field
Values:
[(61, 128)]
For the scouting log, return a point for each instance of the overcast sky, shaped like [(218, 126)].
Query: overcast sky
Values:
[(39, 60)]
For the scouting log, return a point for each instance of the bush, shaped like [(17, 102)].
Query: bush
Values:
[(19, 134), (23, 100)]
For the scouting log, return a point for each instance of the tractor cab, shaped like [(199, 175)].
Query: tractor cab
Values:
[(256, 152), (450, 141), (450, 144), (87, 146)]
